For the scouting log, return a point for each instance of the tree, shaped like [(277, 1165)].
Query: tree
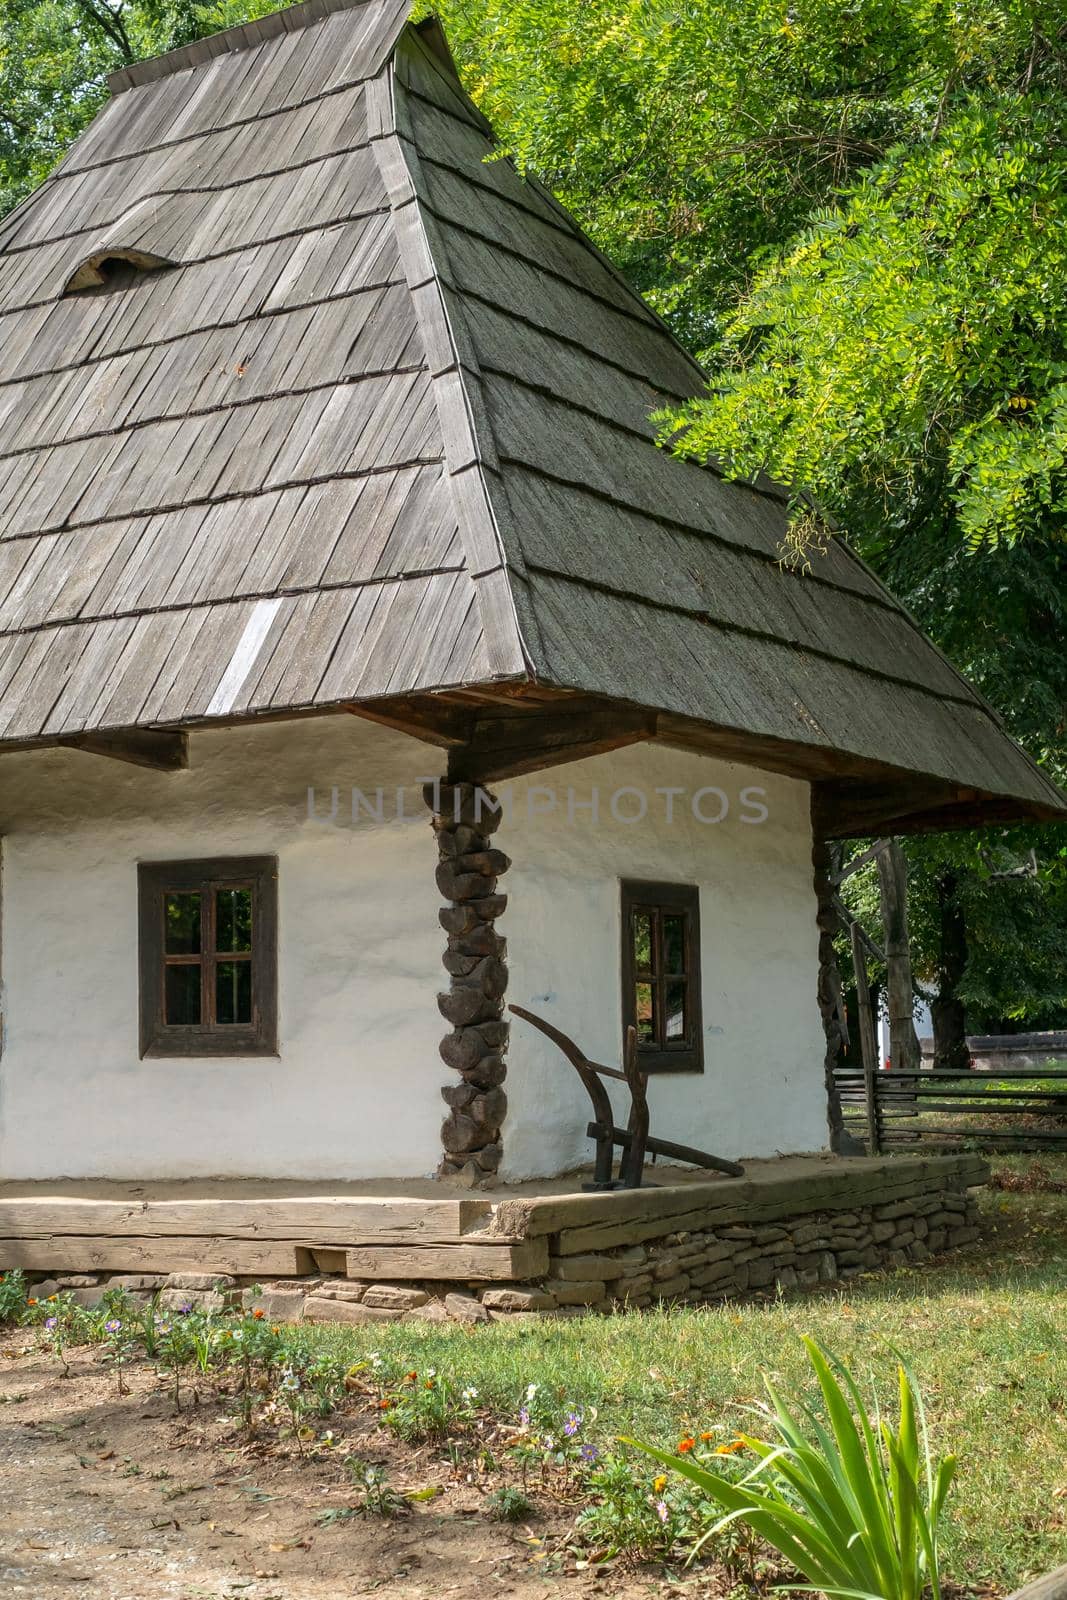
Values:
[(55, 56)]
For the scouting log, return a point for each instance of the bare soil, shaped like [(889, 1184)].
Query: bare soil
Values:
[(128, 1498)]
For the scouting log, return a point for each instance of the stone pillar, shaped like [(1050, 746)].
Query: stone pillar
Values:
[(464, 820)]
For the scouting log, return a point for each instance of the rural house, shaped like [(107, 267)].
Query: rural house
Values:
[(328, 491)]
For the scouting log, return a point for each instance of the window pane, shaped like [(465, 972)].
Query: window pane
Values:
[(646, 1014), (182, 989), (675, 1007), (643, 947), (674, 944), (233, 919), (181, 915), (233, 992)]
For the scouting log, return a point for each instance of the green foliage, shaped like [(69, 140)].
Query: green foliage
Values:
[(508, 1504), (912, 336), (377, 1497), (852, 1505), (12, 1295), (55, 56), (691, 138), (427, 1406)]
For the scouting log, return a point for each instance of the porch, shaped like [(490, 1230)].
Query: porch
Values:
[(790, 1222)]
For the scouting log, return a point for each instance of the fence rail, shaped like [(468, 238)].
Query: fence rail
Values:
[(924, 1110)]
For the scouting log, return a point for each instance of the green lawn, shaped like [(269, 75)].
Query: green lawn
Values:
[(985, 1336)]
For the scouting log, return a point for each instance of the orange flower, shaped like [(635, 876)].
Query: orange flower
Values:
[(31, 1301), (52, 1297), (383, 1405), (730, 1449), (429, 1384), (706, 1438), (409, 1377), (259, 1313), (686, 1444), (274, 1328)]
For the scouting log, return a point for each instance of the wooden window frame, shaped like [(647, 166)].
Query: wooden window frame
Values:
[(156, 879), (676, 899)]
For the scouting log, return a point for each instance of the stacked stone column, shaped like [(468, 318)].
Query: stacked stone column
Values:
[(468, 871)]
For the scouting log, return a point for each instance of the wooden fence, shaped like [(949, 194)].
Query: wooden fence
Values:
[(925, 1110)]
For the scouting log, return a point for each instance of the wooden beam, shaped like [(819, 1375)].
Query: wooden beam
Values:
[(847, 808), (162, 749), (274, 1258), (513, 1261), (425, 719), (507, 742)]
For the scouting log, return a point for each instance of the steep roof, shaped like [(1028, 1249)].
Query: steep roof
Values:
[(304, 403)]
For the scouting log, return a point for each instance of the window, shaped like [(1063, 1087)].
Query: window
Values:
[(661, 974), (208, 957)]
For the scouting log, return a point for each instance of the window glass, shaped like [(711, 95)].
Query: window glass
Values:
[(183, 986), (233, 993), (181, 916), (233, 920)]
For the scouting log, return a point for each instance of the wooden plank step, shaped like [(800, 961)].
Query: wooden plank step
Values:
[(79, 1253), (461, 1262), (325, 1220)]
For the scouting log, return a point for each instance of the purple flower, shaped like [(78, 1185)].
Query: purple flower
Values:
[(183, 1311), (524, 1418), (661, 1510), (50, 1322), (589, 1452), (572, 1424), (113, 1326)]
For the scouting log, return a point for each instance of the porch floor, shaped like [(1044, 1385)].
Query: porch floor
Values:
[(417, 1228)]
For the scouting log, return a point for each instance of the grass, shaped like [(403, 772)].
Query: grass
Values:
[(985, 1335)]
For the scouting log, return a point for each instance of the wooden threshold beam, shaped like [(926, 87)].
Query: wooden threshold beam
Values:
[(159, 748)]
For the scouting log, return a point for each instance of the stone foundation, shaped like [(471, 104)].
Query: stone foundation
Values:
[(741, 1252)]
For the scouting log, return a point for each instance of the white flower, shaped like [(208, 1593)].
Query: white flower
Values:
[(531, 1390), (470, 1394)]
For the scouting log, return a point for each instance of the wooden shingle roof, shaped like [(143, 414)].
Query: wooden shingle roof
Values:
[(303, 403)]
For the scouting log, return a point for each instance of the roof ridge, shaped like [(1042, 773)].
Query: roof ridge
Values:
[(243, 36)]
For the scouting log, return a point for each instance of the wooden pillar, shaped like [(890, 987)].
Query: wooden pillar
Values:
[(831, 1000), (464, 818), (868, 1041)]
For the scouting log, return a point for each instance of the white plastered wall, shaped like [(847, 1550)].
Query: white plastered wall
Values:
[(761, 1090), (354, 1092)]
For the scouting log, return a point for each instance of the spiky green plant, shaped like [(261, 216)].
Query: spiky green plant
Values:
[(854, 1506)]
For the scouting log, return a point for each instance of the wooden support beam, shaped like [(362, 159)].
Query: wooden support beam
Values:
[(506, 742), (426, 718), (163, 749)]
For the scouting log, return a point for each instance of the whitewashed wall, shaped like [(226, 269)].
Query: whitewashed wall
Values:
[(354, 1092), (761, 1090)]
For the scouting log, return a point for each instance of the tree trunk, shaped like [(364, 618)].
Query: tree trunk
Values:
[(893, 880), (951, 1053)]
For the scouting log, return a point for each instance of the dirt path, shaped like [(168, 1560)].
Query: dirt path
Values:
[(126, 1499)]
